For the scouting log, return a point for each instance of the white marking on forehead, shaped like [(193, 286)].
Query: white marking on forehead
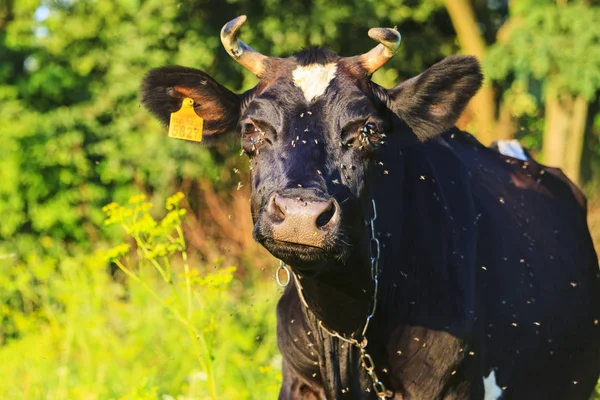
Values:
[(492, 390), (314, 79)]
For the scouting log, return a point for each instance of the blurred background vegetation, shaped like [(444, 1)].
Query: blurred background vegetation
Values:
[(74, 138)]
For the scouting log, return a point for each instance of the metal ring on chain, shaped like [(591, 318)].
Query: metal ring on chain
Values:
[(283, 266)]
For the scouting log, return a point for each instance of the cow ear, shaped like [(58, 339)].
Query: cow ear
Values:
[(163, 91), (431, 103)]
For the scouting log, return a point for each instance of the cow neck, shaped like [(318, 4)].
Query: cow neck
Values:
[(333, 300), (339, 299)]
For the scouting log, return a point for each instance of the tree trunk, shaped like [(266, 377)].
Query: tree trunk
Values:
[(556, 127), (483, 105), (506, 128), (575, 139), (564, 133)]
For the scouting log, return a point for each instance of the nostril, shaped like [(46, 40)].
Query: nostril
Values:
[(326, 216), (276, 210)]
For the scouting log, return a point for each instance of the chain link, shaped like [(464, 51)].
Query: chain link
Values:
[(369, 366), (365, 359)]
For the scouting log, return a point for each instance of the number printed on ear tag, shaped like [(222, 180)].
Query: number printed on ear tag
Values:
[(185, 123)]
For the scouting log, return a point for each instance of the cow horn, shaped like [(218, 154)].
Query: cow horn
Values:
[(389, 42), (240, 51)]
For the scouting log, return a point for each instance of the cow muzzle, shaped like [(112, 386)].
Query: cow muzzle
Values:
[(307, 222)]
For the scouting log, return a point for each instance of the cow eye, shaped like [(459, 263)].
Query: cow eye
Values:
[(371, 134), (252, 134), (253, 137), (249, 129), (370, 129), (363, 135)]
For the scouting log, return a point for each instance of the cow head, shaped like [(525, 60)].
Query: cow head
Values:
[(312, 128)]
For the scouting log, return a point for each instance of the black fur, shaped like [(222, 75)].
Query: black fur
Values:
[(432, 102), (486, 261), (315, 56)]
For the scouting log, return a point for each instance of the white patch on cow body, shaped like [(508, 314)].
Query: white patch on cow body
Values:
[(512, 148), (492, 390), (314, 79)]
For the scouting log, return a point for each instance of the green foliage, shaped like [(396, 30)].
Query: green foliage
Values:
[(156, 242), (74, 138), (546, 41), (74, 134), (100, 335), (547, 54)]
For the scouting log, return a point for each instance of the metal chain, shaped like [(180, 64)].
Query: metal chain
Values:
[(365, 359)]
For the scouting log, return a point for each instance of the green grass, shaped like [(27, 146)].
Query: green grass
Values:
[(72, 328), (109, 340)]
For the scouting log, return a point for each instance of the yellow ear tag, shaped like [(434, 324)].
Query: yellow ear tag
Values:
[(185, 123)]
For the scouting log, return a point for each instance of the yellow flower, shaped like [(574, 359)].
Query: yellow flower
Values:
[(137, 199), (115, 215), (110, 207), (173, 201), (220, 278), (117, 252)]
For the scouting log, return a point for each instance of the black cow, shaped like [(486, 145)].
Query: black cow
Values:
[(476, 280)]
